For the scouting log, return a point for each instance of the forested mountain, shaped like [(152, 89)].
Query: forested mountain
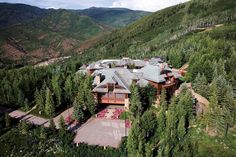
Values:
[(201, 33), (157, 32), (58, 33), (11, 14), (114, 17), (29, 34)]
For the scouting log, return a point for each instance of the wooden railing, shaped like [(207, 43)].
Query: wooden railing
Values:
[(111, 100)]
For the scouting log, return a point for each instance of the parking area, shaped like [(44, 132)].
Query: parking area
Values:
[(102, 132)]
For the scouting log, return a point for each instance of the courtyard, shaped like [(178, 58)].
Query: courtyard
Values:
[(102, 132)]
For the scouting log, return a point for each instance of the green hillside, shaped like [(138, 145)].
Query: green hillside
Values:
[(29, 34), (58, 33), (11, 14), (115, 17), (147, 36)]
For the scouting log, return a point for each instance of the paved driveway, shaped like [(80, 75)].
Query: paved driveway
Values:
[(102, 132), (28, 117)]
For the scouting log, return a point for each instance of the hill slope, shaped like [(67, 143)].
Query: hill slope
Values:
[(11, 14), (115, 17), (149, 35), (58, 33), (29, 34)]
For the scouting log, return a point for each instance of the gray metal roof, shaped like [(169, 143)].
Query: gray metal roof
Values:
[(153, 73), (153, 70), (120, 76)]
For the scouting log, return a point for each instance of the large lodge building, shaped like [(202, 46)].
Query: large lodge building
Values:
[(113, 78)]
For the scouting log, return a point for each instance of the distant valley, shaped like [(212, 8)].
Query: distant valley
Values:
[(29, 34)]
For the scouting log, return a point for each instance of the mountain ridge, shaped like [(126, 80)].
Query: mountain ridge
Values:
[(49, 33), (13, 13)]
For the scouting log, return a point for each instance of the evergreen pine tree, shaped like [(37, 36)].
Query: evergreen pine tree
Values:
[(90, 102), (26, 104), (229, 109), (163, 99), (214, 115), (24, 127), (39, 100), (62, 124), (78, 113), (200, 85), (56, 89), (49, 104), (219, 68), (42, 134), (135, 103), (52, 124), (68, 88), (20, 97), (7, 120), (181, 128), (133, 139)]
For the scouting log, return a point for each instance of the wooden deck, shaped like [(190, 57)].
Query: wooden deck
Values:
[(111, 100)]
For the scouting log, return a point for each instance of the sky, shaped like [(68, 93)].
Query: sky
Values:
[(147, 5)]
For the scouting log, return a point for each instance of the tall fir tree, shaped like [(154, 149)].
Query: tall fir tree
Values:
[(7, 120), (135, 103), (163, 101), (200, 85), (68, 88), (56, 86), (62, 124), (39, 100), (78, 113), (24, 127), (52, 124), (43, 134), (49, 104)]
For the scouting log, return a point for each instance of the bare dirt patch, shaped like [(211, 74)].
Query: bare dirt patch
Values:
[(11, 52), (68, 44)]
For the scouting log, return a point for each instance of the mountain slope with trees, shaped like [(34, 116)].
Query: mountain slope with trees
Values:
[(58, 33), (29, 34), (11, 14), (114, 17), (152, 34)]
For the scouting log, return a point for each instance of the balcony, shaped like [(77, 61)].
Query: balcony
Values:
[(111, 100)]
